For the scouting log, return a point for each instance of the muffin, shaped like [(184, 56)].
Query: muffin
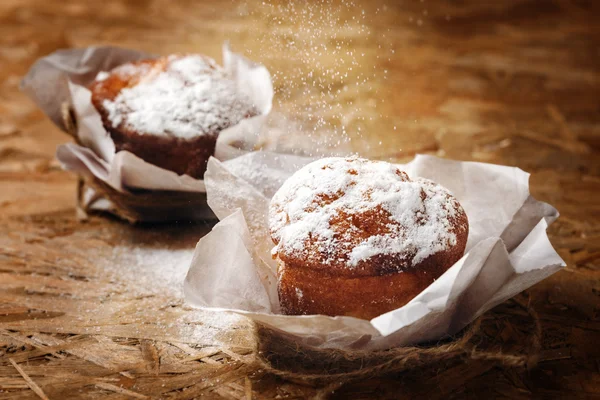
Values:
[(359, 238), (169, 111)]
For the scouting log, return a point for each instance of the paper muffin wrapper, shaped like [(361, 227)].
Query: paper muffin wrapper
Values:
[(121, 182), (507, 252), (95, 195)]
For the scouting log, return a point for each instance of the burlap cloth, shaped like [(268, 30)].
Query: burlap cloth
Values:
[(278, 353)]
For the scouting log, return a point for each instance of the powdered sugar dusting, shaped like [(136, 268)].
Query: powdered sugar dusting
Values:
[(181, 96), (102, 75), (415, 217), (157, 269)]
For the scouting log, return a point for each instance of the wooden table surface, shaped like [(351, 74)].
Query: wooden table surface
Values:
[(94, 309)]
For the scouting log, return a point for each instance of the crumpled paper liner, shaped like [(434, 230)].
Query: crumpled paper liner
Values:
[(120, 182), (95, 195), (507, 252)]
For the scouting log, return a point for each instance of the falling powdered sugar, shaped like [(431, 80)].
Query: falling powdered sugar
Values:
[(180, 96), (350, 210)]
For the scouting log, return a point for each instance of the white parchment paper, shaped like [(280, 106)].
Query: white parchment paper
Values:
[(63, 76), (507, 252)]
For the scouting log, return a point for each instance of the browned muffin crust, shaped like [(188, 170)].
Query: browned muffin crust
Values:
[(183, 156), (305, 291), (317, 275)]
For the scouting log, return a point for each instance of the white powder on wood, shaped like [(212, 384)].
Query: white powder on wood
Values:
[(157, 269), (180, 96), (418, 213)]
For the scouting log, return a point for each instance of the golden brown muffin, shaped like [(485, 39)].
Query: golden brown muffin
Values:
[(360, 238), (169, 111)]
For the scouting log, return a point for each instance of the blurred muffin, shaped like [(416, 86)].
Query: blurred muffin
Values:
[(169, 111)]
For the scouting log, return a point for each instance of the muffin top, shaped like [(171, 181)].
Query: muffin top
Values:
[(182, 96), (359, 217)]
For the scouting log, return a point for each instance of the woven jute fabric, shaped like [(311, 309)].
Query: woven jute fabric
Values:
[(278, 353)]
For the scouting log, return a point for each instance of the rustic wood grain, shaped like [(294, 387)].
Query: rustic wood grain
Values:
[(94, 310)]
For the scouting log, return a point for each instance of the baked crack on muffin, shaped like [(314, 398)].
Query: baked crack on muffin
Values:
[(359, 238), (169, 111)]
